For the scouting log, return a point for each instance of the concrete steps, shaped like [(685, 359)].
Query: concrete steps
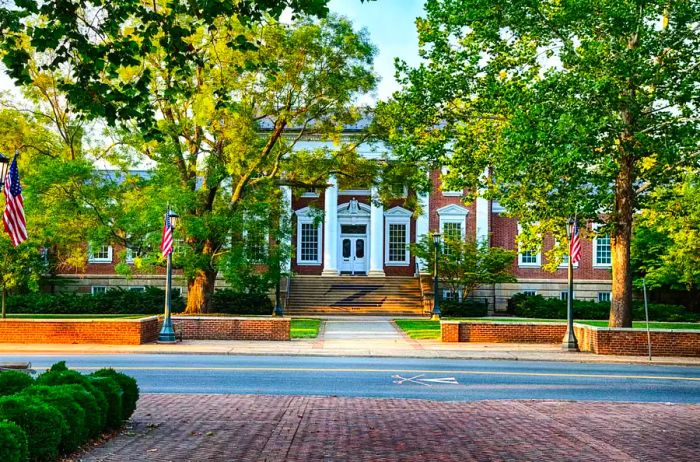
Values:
[(311, 295)]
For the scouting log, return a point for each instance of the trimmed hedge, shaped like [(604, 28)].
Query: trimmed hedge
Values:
[(12, 382), (466, 309), (231, 302), (43, 424), (13, 442), (63, 399), (536, 306), (130, 389), (114, 301), (60, 411)]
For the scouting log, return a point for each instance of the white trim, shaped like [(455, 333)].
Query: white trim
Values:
[(594, 250), (354, 192), (497, 208), (538, 256), (453, 210), (303, 217), (92, 259), (397, 216), (93, 291), (309, 194)]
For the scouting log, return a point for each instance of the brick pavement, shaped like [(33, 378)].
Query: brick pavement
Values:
[(284, 428)]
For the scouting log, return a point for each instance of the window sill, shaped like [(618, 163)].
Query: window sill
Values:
[(397, 263), (608, 266), (529, 265), (100, 261), (308, 263), (452, 193)]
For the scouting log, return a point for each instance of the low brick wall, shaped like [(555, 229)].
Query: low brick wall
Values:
[(502, 332), (226, 328), (114, 331), (598, 340)]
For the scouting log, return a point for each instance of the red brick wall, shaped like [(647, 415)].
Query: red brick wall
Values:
[(221, 328), (505, 332), (437, 200), (79, 331), (300, 203), (599, 340)]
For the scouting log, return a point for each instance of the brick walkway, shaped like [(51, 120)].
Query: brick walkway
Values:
[(277, 428)]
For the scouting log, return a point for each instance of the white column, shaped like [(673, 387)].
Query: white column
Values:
[(376, 236), (330, 229), (482, 215), (423, 225), (287, 215)]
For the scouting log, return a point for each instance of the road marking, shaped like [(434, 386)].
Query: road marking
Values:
[(390, 371), (416, 379)]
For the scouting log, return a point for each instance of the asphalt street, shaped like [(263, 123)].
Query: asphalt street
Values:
[(443, 379)]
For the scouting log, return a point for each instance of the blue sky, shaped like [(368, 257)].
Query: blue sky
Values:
[(391, 26)]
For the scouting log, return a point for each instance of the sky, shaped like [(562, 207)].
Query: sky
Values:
[(391, 27)]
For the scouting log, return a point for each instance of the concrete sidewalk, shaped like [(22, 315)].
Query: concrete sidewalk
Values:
[(356, 336)]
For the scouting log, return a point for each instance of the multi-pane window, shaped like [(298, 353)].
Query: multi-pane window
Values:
[(98, 290), (397, 242), (529, 258), (309, 242), (137, 289), (603, 255), (452, 231), (256, 244), (100, 253), (603, 296), (564, 295), (530, 293), (451, 295)]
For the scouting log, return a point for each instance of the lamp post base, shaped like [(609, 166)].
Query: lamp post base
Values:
[(167, 335), (569, 343), (435, 317)]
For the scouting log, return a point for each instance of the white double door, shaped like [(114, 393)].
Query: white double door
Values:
[(353, 253)]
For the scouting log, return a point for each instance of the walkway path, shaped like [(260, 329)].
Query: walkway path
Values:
[(289, 428)]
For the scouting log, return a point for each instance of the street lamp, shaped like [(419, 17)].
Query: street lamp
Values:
[(4, 165), (436, 291), (167, 334), (569, 342)]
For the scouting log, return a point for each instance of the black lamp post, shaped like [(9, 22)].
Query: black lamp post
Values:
[(436, 288), (167, 334), (4, 165), (569, 342)]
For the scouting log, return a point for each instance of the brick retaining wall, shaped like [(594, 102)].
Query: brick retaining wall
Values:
[(599, 340), (114, 331), (226, 328)]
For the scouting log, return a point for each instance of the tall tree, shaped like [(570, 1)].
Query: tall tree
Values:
[(579, 108)]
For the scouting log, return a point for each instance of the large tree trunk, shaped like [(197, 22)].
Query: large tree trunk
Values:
[(620, 238), (200, 290)]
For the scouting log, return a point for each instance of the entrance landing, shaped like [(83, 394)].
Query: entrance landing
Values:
[(362, 333)]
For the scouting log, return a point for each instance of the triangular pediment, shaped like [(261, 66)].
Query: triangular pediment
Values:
[(453, 209), (398, 212)]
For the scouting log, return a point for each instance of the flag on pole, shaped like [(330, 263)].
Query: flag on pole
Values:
[(166, 243), (13, 216), (575, 245)]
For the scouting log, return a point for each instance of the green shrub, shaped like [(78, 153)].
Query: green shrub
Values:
[(94, 419), (466, 309), (232, 302), (113, 393), (61, 397), (12, 382), (67, 377), (42, 424), (13, 442), (114, 301), (536, 306), (130, 389)]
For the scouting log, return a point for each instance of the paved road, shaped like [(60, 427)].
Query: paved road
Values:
[(446, 380)]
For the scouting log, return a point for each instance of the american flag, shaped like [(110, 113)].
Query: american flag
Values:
[(166, 244), (575, 245), (13, 216)]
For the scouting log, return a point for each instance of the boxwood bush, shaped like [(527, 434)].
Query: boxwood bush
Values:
[(113, 394), (466, 309), (536, 306), (231, 302), (12, 382), (62, 398), (13, 442), (130, 389), (42, 424)]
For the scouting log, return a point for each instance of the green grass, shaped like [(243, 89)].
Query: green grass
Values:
[(425, 329), (305, 327), (77, 316)]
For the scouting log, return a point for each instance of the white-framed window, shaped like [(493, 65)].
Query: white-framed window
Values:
[(309, 238), (397, 229), (564, 295), (99, 253), (603, 297), (94, 290), (453, 221), (457, 193), (137, 289), (449, 294), (131, 254), (528, 258), (176, 292), (530, 293), (602, 253)]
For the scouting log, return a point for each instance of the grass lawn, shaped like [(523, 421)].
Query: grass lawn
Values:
[(425, 329), (76, 316), (305, 327)]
